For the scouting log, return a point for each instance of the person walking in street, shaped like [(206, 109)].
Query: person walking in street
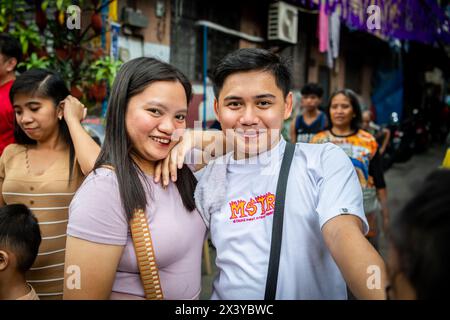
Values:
[(345, 131), (382, 135), (311, 120)]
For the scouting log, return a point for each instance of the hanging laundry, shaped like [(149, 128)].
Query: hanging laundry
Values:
[(333, 37), (323, 29)]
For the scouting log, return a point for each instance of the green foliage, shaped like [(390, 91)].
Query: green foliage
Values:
[(48, 43), (35, 62), (105, 68), (27, 35)]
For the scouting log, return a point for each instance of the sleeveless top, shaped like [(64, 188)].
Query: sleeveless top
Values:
[(306, 132)]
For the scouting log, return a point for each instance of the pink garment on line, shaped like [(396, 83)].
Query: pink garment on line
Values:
[(323, 29)]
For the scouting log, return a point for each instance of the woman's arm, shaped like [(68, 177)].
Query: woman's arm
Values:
[(86, 149), (382, 198), (387, 137), (90, 269), (212, 144), (2, 202)]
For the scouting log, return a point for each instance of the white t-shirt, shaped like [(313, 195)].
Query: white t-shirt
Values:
[(322, 184)]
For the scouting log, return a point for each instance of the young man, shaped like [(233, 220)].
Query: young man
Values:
[(311, 120), (324, 223), (20, 238), (10, 55)]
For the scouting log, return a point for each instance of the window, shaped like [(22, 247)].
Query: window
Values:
[(187, 37)]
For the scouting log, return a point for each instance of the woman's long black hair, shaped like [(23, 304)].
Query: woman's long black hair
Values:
[(133, 77), (355, 124), (48, 85)]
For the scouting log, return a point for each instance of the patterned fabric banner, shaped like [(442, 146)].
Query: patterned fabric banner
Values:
[(419, 20)]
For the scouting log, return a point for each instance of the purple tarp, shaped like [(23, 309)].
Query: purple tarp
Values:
[(419, 20)]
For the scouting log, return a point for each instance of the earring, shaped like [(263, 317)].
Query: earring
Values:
[(60, 118)]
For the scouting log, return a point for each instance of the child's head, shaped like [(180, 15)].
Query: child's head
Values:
[(20, 238), (311, 96), (10, 55), (253, 98), (366, 119), (419, 263)]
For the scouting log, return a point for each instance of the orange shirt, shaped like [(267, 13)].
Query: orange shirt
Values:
[(360, 147)]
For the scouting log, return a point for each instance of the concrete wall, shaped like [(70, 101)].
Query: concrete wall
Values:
[(154, 40), (250, 24), (337, 74)]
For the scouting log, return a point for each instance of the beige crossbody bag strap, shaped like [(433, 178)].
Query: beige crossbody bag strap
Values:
[(143, 246), (145, 255)]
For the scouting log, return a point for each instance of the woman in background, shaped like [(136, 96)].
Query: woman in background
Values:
[(344, 112)]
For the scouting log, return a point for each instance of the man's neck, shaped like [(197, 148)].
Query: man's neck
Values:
[(13, 287), (7, 78)]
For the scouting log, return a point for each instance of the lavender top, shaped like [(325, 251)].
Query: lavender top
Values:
[(96, 215)]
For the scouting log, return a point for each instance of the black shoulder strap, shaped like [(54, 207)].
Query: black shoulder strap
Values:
[(277, 228)]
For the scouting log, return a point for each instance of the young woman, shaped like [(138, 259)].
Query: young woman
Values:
[(46, 166), (344, 112), (147, 106)]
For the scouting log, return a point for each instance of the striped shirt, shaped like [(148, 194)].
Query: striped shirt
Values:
[(48, 196)]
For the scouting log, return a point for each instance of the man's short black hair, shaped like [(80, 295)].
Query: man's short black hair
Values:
[(312, 89), (420, 234), (10, 47), (20, 233), (252, 59)]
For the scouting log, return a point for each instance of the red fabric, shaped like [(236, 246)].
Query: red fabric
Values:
[(6, 117)]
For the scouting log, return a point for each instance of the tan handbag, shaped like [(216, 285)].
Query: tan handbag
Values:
[(145, 255)]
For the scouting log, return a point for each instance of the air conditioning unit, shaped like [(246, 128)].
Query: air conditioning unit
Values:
[(134, 18), (283, 22)]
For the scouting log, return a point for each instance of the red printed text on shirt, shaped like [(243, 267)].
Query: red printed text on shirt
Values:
[(253, 209)]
